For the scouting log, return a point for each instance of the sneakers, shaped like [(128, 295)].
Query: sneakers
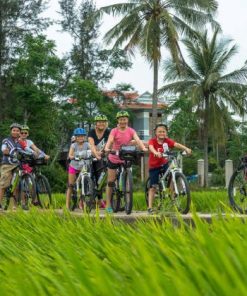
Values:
[(150, 211), (109, 210)]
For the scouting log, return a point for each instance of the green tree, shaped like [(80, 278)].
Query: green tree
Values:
[(88, 58), (33, 82), (17, 18), (153, 24), (205, 82)]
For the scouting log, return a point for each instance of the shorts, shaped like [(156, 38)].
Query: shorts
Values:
[(6, 175), (154, 174), (73, 171), (113, 166)]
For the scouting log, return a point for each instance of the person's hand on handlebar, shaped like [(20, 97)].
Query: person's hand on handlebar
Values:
[(188, 151), (158, 154)]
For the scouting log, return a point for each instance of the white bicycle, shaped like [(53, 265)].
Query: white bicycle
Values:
[(173, 188), (83, 190)]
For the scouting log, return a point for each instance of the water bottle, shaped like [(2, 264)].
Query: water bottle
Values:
[(101, 177)]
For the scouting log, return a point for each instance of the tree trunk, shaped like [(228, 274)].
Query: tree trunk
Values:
[(205, 141), (155, 94)]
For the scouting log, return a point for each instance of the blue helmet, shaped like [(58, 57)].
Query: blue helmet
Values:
[(79, 132)]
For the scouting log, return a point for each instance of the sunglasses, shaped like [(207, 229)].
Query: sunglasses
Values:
[(24, 133)]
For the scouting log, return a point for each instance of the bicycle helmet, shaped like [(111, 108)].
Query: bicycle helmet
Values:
[(79, 132), (25, 128), (100, 117), (15, 125), (122, 114)]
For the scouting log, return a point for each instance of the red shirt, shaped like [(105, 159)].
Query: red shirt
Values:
[(156, 162)]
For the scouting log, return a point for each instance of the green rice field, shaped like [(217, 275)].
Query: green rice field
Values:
[(203, 201), (42, 253)]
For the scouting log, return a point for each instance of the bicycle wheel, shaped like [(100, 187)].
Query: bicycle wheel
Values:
[(128, 191), (73, 200), (237, 191), (88, 196), (6, 199), (115, 197), (43, 191), (27, 193), (180, 200)]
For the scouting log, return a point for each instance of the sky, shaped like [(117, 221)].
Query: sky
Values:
[(231, 16)]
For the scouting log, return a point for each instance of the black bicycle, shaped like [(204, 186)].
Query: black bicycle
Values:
[(122, 192), (237, 188), (43, 188), (22, 183)]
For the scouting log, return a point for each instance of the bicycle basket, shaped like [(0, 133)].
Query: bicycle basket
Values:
[(128, 153)]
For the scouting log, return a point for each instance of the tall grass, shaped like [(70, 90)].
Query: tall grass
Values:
[(45, 254), (203, 201)]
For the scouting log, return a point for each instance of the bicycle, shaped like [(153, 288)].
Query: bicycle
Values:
[(173, 187), (21, 181), (43, 188), (83, 188), (122, 192), (237, 188)]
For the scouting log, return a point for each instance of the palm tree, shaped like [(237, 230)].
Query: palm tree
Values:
[(210, 89), (152, 24)]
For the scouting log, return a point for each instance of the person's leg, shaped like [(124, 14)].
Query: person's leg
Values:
[(154, 180), (111, 177), (5, 179), (71, 182)]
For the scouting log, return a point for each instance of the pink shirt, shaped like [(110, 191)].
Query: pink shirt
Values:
[(120, 138)]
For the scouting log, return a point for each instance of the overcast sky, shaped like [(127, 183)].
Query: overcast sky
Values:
[(231, 16)]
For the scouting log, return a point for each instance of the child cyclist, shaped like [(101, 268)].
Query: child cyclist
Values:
[(158, 145), (77, 149), (120, 135)]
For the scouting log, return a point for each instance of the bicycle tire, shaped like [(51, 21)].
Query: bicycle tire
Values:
[(27, 189), (73, 200), (88, 197), (147, 187), (6, 199), (237, 191), (128, 191), (43, 191), (181, 201)]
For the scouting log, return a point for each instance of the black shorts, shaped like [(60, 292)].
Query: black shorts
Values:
[(154, 174), (113, 166)]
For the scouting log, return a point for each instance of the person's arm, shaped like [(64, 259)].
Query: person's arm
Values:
[(96, 153), (38, 151), (139, 142), (155, 152), (71, 152), (109, 143), (182, 147), (5, 149)]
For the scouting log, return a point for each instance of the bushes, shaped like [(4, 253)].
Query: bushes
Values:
[(57, 177)]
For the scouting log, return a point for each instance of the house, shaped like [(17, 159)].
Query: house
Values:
[(141, 107)]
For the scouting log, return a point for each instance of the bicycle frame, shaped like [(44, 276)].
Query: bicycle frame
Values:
[(174, 166), (80, 179)]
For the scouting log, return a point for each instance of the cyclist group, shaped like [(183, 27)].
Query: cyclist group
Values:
[(102, 140), (16, 142)]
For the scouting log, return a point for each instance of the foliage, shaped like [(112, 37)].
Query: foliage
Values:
[(47, 254), (151, 25), (57, 177), (88, 59), (33, 81), (212, 92)]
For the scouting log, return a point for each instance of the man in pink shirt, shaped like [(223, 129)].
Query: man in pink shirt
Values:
[(120, 135)]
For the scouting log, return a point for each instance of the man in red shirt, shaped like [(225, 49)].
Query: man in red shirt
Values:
[(158, 145)]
